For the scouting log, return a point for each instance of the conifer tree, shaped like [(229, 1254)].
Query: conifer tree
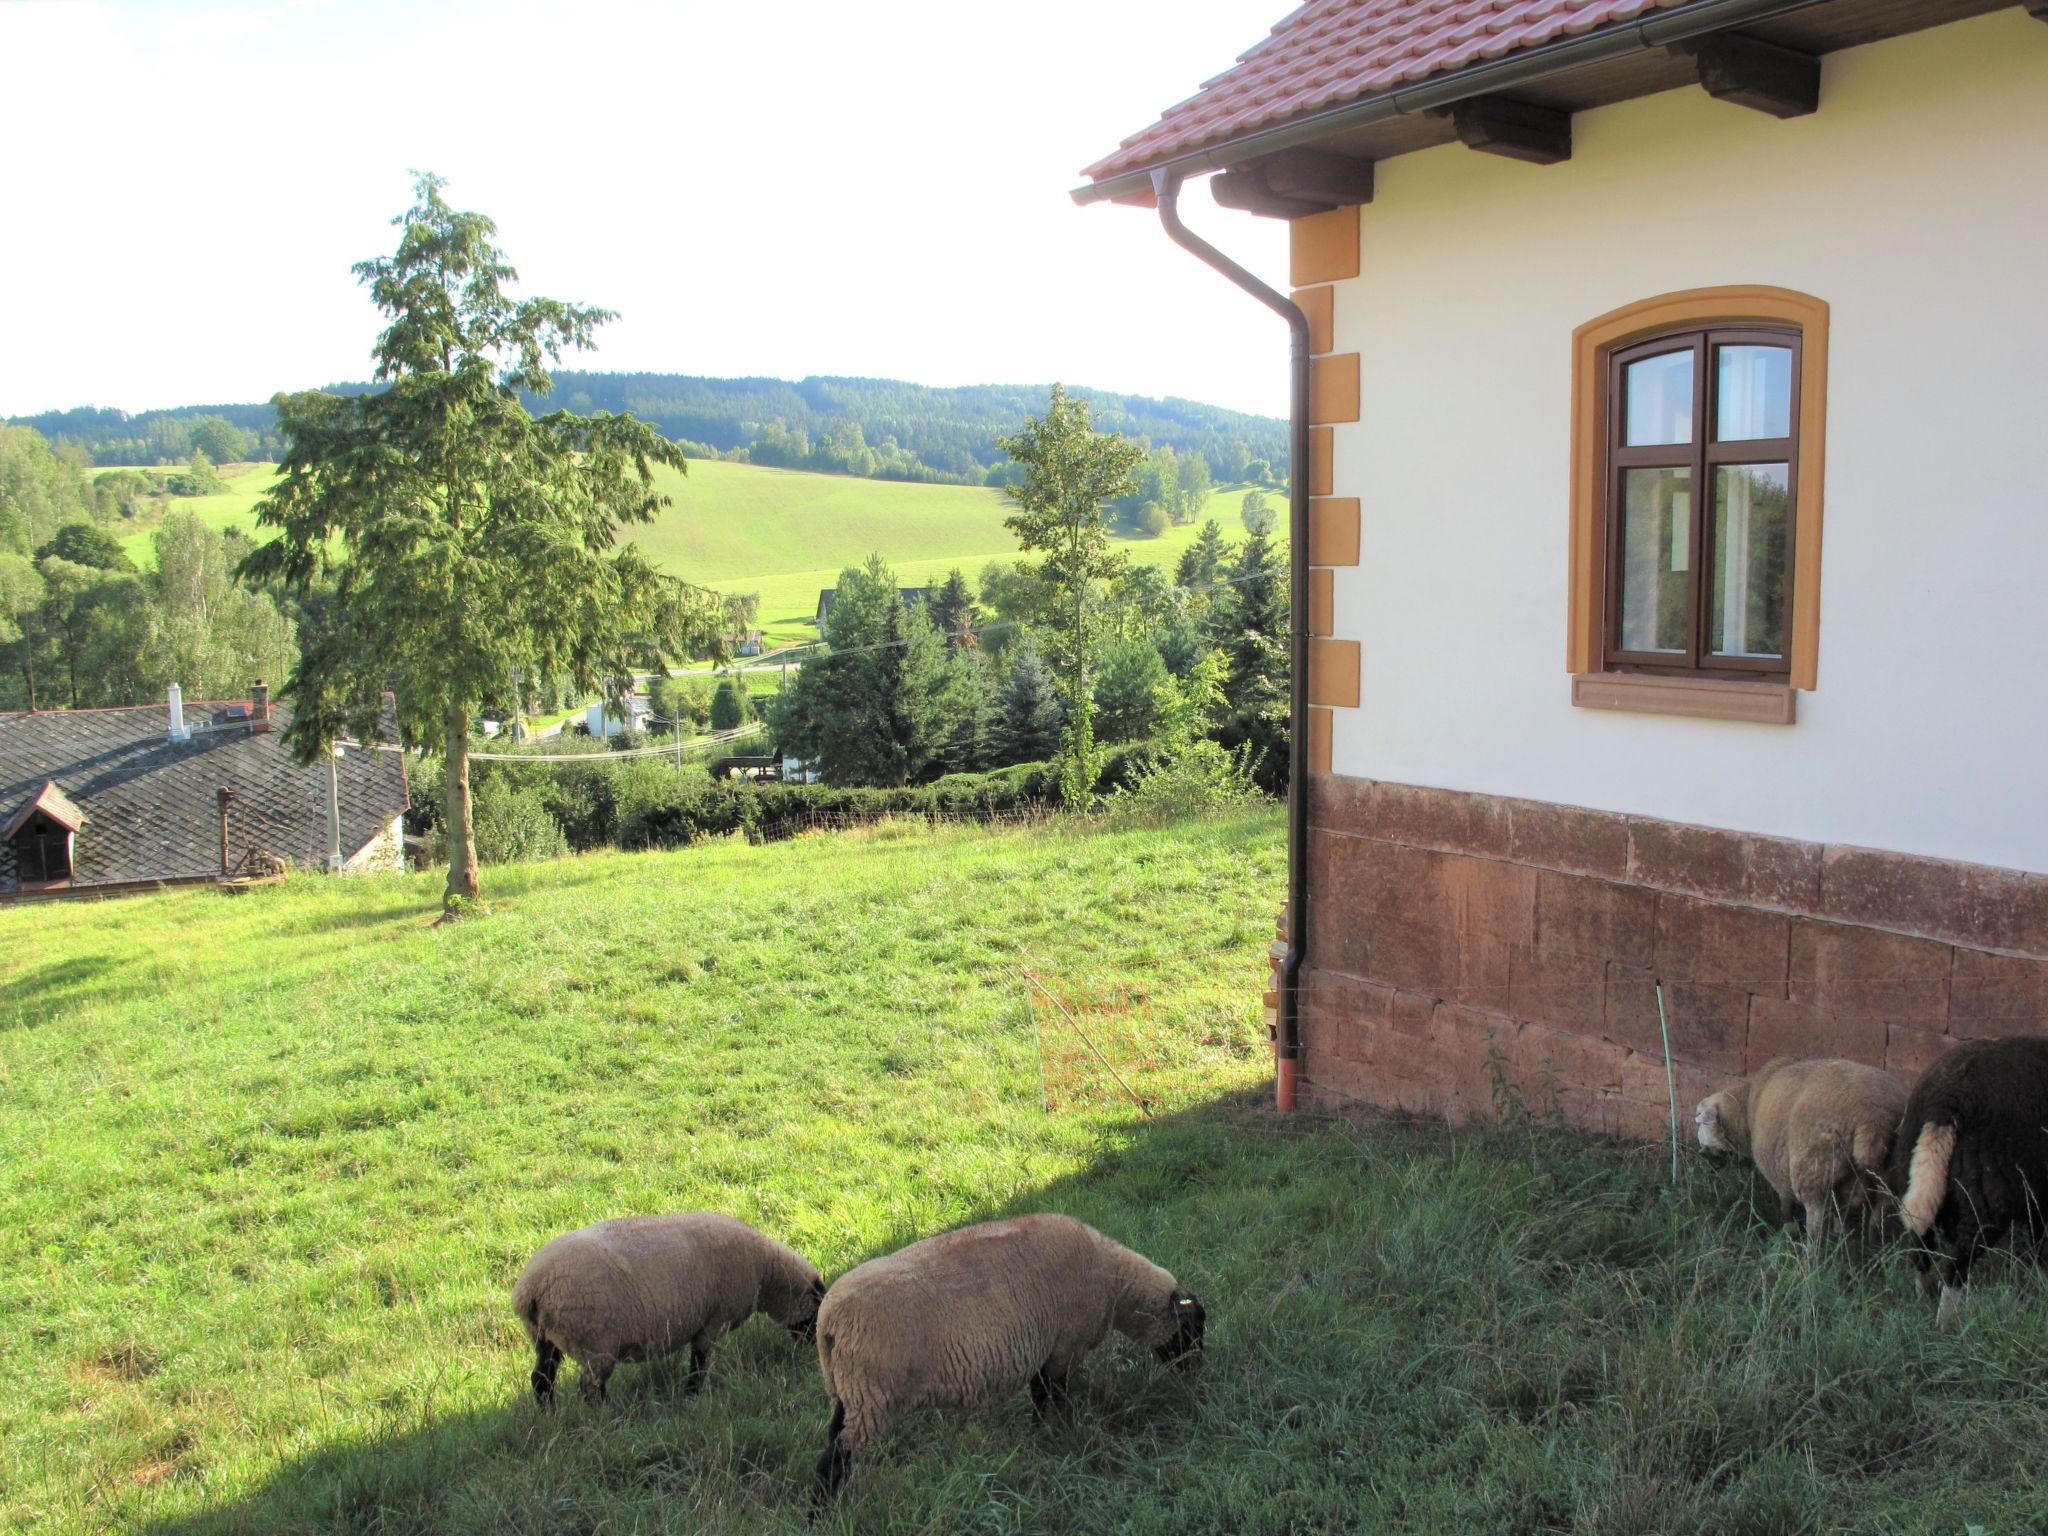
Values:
[(1255, 690), (1031, 716)]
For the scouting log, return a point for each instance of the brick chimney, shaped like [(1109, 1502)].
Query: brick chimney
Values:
[(259, 705)]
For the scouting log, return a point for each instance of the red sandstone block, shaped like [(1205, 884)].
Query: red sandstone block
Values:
[(1711, 942), (1848, 971), (1783, 873), (1340, 803), (1580, 1061), (1631, 1009), (1781, 1028), (1908, 1051), (1496, 899), (1563, 991), (1896, 890), (1569, 838), (1596, 919), (1350, 1081), (1637, 1120), (1708, 1024), (1417, 956), (1704, 861), (1485, 969), (1440, 818), (1354, 999), (2009, 910), (1467, 1034), (1997, 995), (1643, 1081)]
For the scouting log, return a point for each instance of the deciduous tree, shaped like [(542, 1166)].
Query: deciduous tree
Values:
[(1069, 472)]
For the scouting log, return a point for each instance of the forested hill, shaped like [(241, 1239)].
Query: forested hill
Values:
[(880, 428)]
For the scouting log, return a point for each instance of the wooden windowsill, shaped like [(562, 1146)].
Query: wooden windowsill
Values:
[(1703, 698)]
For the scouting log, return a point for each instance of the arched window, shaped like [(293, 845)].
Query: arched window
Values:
[(1698, 423)]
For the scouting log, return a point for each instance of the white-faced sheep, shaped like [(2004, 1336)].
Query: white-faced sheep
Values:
[(1972, 1156), (969, 1317), (640, 1287), (1818, 1131)]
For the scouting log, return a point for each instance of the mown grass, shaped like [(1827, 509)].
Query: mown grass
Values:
[(270, 1164), (785, 534)]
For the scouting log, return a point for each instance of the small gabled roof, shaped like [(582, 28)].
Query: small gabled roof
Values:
[(53, 803)]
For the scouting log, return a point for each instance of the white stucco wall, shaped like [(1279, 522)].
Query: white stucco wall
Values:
[(1915, 202)]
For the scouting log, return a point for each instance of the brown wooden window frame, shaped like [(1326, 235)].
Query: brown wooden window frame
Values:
[(1775, 313), (1702, 455)]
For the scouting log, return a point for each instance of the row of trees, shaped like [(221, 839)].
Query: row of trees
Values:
[(1056, 655), (225, 434), (82, 627)]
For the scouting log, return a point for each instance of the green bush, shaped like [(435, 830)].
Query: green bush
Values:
[(513, 823)]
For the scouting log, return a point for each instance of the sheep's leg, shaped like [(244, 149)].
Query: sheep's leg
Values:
[(1051, 1392), (700, 1362), (1923, 1273), (838, 1457), (597, 1370), (1956, 1276), (546, 1361)]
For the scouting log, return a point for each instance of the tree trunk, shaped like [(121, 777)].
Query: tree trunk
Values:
[(457, 824), (28, 671)]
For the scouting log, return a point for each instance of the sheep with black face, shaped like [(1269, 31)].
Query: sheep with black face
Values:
[(640, 1287), (969, 1317)]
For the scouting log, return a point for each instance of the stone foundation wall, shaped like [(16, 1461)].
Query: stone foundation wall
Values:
[(1464, 946)]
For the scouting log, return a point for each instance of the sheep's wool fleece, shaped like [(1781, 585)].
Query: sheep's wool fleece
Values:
[(968, 1317), (1812, 1124), (643, 1286)]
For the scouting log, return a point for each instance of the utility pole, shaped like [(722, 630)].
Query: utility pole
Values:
[(333, 812), (679, 742)]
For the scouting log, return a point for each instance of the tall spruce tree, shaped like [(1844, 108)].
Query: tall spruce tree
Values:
[(464, 536), (1067, 473), (1031, 716), (1201, 563), (953, 611), (1255, 690)]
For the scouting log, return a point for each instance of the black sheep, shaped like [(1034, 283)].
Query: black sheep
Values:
[(1972, 1156)]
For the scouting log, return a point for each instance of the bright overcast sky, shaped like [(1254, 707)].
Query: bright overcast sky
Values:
[(757, 188)]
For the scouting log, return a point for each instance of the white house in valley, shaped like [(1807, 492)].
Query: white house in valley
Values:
[(1677, 531)]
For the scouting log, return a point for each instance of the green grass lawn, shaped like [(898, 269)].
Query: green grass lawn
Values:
[(270, 1164), (786, 534), (234, 507)]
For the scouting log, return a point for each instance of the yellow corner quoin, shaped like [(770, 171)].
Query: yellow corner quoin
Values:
[(1333, 530), (1320, 448), (1319, 721), (1333, 672), (1333, 388), (1319, 305), (1322, 601), (1323, 248)]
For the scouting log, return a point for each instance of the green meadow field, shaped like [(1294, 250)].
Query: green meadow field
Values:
[(787, 534), (271, 1162)]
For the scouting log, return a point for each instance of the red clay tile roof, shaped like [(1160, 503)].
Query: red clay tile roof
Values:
[(1329, 52)]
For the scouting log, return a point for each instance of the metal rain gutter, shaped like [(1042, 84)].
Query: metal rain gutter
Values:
[(1287, 1033), (1500, 75)]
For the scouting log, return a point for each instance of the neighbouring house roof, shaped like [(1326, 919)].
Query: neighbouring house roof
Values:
[(53, 803), (1328, 52), (1328, 61), (147, 806)]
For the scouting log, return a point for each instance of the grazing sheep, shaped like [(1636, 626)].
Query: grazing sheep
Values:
[(968, 1317), (1818, 1131), (1972, 1156), (641, 1287)]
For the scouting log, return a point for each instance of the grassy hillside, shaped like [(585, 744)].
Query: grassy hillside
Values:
[(271, 1163), (234, 507), (787, 534)]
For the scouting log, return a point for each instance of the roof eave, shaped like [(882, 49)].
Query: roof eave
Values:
[(1494, 75)]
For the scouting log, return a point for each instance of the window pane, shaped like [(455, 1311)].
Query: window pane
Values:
[(1656, 548), (1659, 393), (1753, 394), (1752, 504)]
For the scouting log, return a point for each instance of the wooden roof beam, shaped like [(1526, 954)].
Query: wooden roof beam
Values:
[(1756, 74), (1517, 130), (1293, 183)]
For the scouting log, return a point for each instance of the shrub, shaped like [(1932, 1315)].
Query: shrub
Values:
[(513, 822)]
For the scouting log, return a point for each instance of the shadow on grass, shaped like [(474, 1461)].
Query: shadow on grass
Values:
[(1508, 1329), (29, 999)]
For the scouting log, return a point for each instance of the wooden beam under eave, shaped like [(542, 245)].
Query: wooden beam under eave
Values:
[(2038, 9), (1245, 189), (1342, 181), (1752, 73), (1516, 130)]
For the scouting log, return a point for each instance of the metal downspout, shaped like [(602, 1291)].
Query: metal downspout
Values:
[(1287, 1041)]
